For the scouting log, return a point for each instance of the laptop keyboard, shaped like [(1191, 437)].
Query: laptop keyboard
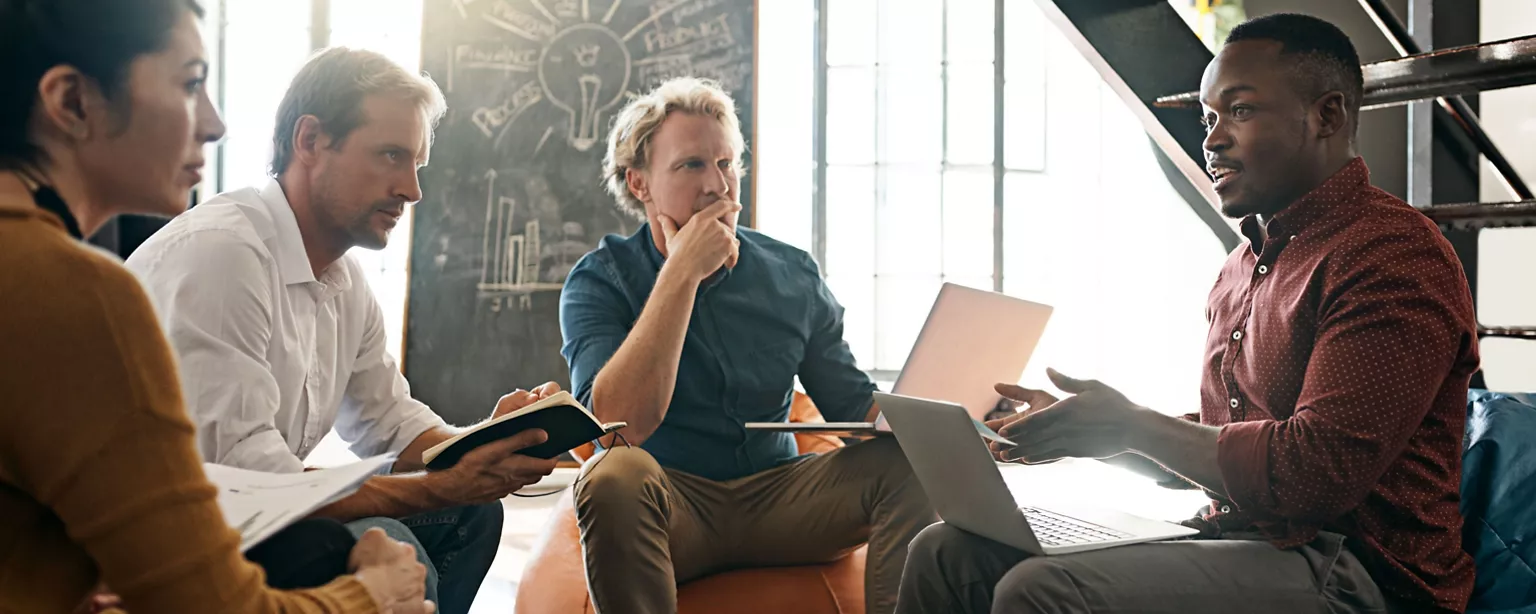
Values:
[(1057, 530)]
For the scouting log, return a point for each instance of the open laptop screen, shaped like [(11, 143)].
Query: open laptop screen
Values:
[(972, 340)]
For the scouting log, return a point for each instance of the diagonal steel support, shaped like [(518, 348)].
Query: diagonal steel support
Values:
[(1143, 49)]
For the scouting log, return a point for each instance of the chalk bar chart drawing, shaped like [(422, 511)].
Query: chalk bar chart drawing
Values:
[(513, 194)]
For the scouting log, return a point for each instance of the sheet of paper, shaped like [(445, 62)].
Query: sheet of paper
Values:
[(259, 504), (989, 434)]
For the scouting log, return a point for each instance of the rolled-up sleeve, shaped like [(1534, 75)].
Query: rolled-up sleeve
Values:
[(1386, 341), (829, 373), (211, 291), (378, 413), (595, 318)]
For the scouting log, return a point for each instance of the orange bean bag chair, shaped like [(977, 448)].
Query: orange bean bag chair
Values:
[(555, 581)]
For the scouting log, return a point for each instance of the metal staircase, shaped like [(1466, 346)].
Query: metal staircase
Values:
[(1148, 55)]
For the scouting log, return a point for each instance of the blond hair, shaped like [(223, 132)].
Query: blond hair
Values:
[(629, 142), (332, 85)]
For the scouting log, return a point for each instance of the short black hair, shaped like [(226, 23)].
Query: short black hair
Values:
[(1325, 58), (101, 38)]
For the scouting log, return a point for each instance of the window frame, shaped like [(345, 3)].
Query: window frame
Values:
[(999, 167)]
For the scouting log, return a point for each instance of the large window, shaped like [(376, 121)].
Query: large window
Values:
[(1050, 191)]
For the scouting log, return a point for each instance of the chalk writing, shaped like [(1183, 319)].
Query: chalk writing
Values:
[(490, 118), (665, 40), (518, 22), (504, 58), (654, 70), (690, 9), (730, 72)]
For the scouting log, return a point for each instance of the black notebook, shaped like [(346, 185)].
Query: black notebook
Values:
[(568, 424)]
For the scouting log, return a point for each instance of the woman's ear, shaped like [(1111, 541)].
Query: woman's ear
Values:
[(69, 101)]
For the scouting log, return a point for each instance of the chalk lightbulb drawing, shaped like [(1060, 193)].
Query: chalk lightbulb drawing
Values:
[(574, 58), (585, 72)]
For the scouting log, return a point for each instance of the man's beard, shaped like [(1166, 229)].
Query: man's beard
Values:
[(359, 231)]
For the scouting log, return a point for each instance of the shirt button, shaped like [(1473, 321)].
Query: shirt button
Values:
[(1263, 268), (1234, 403), (1237, 335)]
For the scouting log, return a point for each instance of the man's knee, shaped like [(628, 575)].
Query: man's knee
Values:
[(482, 522), (619, 481), (391, 527), (309, 553), (1034, 585), (938, 547), (883, 457)]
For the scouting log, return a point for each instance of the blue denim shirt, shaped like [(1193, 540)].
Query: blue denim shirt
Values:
[(753, 329)]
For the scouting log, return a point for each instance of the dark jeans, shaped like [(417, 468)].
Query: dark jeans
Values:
[(310, 553), (456, 544)]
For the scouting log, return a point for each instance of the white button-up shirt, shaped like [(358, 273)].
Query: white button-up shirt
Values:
[(271, 357)]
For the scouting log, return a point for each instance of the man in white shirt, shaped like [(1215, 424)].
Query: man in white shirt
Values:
[(279, 337)]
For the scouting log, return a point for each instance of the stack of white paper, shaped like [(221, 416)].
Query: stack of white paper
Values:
[(259, 504)]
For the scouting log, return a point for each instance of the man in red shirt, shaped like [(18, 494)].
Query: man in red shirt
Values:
[(1329, 435)]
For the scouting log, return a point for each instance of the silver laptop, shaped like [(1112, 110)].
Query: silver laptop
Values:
[(972, 341), (967, 489)]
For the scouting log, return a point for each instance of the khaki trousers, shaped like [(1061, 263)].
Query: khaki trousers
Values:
[(646, 529), (951, 571)]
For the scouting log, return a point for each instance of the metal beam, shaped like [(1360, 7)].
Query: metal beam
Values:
[(1448, 72), (1412, 40), (1477, 216), (1143, 49), (1451, 72), (1507, 332)]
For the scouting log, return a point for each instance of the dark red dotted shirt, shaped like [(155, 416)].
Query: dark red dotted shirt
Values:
[(1342, 341)]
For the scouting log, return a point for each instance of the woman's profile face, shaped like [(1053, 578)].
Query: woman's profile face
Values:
[(145, 153)]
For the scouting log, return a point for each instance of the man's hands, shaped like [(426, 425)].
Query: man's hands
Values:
[(518, 399), (389, 570), (1093, 423), (494, 470), (705, 243)]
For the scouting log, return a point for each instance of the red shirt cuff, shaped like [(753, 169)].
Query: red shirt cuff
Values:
[(1242, 455)]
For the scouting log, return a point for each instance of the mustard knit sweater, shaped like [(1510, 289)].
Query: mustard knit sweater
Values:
[(99, 477)]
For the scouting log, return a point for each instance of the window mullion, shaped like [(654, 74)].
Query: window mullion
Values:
[(999, 165)]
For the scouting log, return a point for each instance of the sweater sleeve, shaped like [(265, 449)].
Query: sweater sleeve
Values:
[(98, 435)]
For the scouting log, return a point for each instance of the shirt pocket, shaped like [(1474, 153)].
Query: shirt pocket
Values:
[(768, 378)]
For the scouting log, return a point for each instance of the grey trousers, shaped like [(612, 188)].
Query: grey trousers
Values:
[(949, 570), (645, 529)]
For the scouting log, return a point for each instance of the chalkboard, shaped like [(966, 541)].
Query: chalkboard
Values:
[(513, 194)]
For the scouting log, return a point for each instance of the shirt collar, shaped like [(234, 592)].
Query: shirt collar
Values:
[(1338, 190), (652, 252), (292, 258)]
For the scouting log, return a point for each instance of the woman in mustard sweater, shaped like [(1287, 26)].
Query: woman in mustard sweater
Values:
[(103, 111)]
